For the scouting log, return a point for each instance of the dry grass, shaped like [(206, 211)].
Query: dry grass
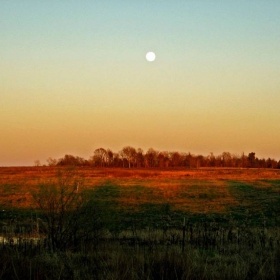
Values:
[(193, 190)]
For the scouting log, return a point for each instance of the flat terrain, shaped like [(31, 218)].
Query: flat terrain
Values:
[(231, 231), (153, 191)]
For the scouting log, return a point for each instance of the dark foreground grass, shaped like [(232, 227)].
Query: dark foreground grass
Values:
[(115, 261)]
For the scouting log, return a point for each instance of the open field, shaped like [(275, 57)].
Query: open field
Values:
[(126, 195), (232, 225), (194, 191)]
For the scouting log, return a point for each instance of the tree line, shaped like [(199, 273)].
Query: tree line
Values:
[(129, 157)]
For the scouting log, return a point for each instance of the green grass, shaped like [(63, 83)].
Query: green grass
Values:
[(106, 191), (257, 203)]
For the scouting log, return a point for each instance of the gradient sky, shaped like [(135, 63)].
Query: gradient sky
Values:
[(73, 77)]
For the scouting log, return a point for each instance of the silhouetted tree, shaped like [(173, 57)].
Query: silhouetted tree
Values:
[(129, 153), (110, 157), (161, 160), (226, 159), (212, 160), (175, 159), (271, 163), (199, 161), (100, 157), (51, 161), (70, 161), (140, 158), (117, 162), (66, 210), (251, 159), (130, 157), (37, 163), (150, 158)]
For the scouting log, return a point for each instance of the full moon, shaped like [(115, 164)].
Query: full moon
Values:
[(150, 56)]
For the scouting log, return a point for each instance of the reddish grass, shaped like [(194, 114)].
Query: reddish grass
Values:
[(166, 185)]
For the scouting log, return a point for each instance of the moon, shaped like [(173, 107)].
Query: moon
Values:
[(150, 56)]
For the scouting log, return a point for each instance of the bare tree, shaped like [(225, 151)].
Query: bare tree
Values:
[(139, 158), (65, 210), (227, 159), (100, 157), (175, 159), (129, 153), (37, 163), (110, 157), (51, 161), (251, 159), (161, 160), (151, 158)]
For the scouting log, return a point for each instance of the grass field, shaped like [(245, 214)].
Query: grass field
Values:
[(203, 191), (232, 225)]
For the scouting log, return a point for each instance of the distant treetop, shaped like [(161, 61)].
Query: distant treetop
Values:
[(129, 157)]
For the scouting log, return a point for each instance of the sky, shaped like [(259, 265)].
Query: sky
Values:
[(74, 77)]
